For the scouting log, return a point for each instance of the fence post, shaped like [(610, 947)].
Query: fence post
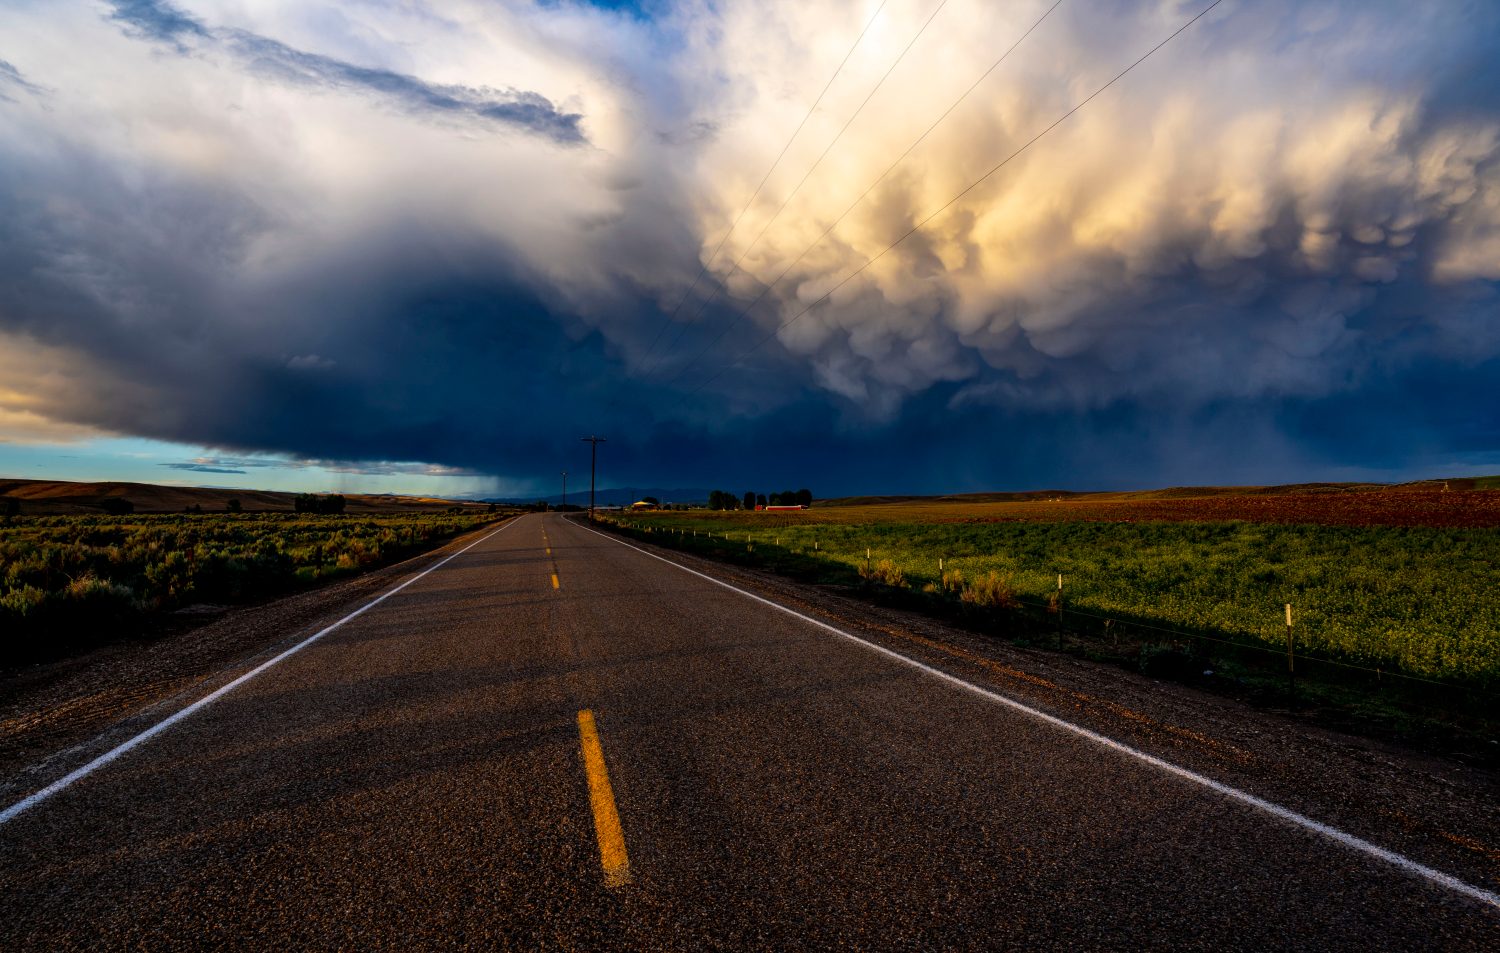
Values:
[(1059, 612), (1291, 671)]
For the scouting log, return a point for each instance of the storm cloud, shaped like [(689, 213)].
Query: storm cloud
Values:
[(459, 234)]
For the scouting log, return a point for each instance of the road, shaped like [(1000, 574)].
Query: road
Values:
[(556, 740)]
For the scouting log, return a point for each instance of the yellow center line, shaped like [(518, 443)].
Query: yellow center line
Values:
[(548, 544), (602, 797)]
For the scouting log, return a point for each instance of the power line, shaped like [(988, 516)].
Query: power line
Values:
[(766, 178), (971, 187), (766, 288), (813, 168)]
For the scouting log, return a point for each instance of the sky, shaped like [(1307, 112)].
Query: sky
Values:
[(859, 246)]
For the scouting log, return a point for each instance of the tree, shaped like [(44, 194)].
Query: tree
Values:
[(11, 507), (651, 499), (760, 499), (804, 497), (116, 505), (232, 505), (312, 503), (749, 499)]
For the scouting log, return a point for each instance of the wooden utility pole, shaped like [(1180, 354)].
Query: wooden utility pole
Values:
[(593, 460), (565, 491)]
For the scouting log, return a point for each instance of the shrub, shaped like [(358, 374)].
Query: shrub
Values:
[(885, 572), (22, 603), (991, 591), (1167, 661), (953, 580)]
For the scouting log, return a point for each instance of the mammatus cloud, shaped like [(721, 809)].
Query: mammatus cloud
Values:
[(1254, 213), (340, 232)]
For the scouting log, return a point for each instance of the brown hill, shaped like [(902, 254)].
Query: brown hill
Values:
[(61, 497), (1175, 492)]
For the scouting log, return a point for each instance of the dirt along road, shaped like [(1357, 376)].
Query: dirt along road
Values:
[(555, 739)]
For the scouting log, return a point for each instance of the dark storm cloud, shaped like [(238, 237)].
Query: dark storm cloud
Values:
[(164, 22), (219, 297)]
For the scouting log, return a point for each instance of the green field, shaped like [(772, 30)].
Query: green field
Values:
[(1422, 601), (71, 581)]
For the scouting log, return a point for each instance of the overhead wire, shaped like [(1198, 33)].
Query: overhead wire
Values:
[(969, 188), (767, 288), (808, 174), (708, 262)]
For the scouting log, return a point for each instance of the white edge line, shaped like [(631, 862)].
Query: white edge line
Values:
[(1275, 810), (69, 779)]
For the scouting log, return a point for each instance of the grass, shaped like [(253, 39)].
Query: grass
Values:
[(1415, 600), (70, 582)]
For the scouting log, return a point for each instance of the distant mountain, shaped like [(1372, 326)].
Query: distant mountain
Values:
[(614, 496)]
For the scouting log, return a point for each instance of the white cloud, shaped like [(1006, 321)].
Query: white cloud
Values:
[(1242, 216), (1258, 154)]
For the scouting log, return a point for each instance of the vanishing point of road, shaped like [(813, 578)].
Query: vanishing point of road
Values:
[(552, 739)]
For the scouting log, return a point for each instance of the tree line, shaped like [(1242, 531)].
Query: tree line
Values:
[(312, 503), (724, 500)]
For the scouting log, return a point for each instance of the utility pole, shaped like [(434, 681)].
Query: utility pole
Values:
[(593, 459), (565, 491)]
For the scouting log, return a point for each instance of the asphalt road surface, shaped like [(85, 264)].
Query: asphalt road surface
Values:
[(555, 740)]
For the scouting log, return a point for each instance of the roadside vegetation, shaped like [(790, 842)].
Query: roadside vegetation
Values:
[(1391, 600), (71, 582)]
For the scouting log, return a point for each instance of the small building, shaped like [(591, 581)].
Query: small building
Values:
[(779, 508)]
